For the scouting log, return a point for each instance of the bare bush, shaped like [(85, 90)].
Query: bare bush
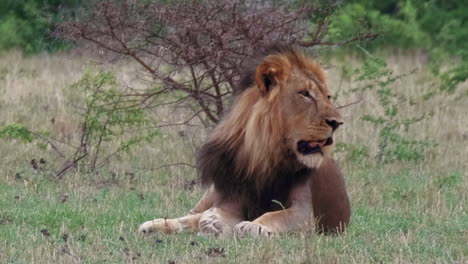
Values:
[(196, 49)]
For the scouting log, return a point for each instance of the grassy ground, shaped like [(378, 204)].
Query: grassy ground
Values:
[(406, 212)]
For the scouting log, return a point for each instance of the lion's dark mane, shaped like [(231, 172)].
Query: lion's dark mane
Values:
[(224, 166), (216, 165)]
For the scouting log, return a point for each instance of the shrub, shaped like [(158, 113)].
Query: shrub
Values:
[(393, 143), (27, 24), (109, 125), (208, 41), (440, 27)]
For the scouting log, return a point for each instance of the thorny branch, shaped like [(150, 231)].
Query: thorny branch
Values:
[(197, 48)]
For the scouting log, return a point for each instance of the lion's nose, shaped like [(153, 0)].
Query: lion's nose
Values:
[(333, 123)]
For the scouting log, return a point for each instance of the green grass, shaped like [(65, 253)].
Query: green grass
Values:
[(405, 212), (400, 217)]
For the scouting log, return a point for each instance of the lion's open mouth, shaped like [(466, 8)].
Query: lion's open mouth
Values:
[(310, 147)]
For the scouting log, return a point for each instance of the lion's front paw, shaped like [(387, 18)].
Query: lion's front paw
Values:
[(147, 227), (211, 223), (166, 226), (253, 229)]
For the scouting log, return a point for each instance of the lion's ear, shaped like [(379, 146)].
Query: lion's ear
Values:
[(268, 75)]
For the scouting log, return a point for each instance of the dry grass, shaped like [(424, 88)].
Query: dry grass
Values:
[(403, 212), (447, 127)]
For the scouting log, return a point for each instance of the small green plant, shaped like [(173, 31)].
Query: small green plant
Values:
[(110, 123), (108, 116), (21, 133), (354, 152), (16, 131), (393, 144)]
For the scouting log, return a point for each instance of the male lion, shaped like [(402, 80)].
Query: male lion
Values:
[(268, 161)]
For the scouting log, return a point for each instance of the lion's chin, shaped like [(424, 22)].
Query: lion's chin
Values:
[(311, 160)]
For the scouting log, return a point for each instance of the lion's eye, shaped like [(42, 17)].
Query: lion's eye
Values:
[(329, 97), (305, 93)]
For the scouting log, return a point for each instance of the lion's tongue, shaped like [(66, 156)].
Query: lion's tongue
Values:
[(317, 144)]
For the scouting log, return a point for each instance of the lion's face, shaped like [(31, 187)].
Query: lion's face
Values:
[(309, 117), (287, 110), (294, 88)]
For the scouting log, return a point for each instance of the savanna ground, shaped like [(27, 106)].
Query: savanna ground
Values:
[(403, 211)]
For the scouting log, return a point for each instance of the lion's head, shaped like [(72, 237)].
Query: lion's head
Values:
[(283, 117)]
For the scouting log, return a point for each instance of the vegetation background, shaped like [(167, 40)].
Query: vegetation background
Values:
[(403, 147)]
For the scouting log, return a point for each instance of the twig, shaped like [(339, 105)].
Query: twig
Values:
[(359, 36), (49, 142), (59, 174), (83, 148), (172, 165), (339, 88), (361, 97), (67, 250)]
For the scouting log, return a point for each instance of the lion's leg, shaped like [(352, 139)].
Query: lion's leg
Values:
[(330, 199), (171, 226), (221, 218), (190, 221), (296, 217), (206, 202)]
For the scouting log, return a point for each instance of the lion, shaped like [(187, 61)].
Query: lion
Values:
[(267, 163)]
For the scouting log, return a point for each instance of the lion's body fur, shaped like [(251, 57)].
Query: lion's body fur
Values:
[(263, 160)]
